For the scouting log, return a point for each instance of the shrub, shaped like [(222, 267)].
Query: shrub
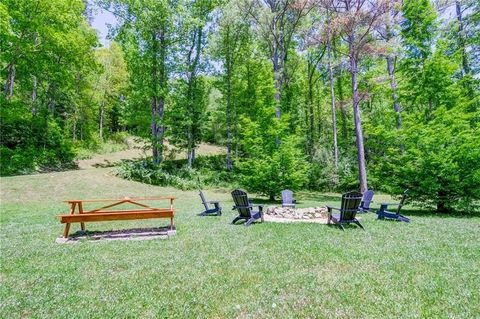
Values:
[(269, 174), (207, 170), (322, 175), (32, 143), (440, 163)]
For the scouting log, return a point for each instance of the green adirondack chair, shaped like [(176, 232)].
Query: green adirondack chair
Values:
[(349, 208), (245, 208), (384, 213)]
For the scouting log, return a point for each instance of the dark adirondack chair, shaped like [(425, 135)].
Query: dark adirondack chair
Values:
[(245, 208), (287, 198), (209, 211), (384, 213), (349, 208), (366, 201)]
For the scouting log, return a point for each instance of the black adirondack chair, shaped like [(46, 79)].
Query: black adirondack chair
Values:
[(384, 213), (349, 208), (287, 198), (245, 208), (366, 201), (216, 210)]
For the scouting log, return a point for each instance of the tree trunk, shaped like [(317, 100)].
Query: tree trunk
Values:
[(190, 157), (393, 86), (362, 171), (192, 78), (342, 105), (100, 122), (229, 110), (157, 129), (74, 128), (34, 95), (158, 97), (10, 81), (442, 202), (310, 113), (334, 115)]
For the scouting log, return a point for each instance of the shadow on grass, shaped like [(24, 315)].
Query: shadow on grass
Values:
[(135, 233), (422, 212), (107, 163)]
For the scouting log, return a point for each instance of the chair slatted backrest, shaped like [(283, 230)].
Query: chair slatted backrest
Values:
[(242, 204), (367, 199), (287, 196), (204, 201), (402, 201), (350, 205)]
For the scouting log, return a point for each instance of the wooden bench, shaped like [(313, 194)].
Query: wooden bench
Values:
[(105, 213)]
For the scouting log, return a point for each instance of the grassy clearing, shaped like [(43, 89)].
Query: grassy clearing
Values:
[(105, 148), (426, 269)]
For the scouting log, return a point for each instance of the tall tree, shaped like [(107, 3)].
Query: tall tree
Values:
[(111, 83), (417, 31), (46, 63), (146, 33), (354, 21), (388, 33), (277, 21), (230, 46), (195, 41)]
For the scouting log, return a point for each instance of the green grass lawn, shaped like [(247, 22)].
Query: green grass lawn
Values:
[(426, 269)]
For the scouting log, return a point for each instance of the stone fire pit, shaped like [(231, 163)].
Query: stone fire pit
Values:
[(289, 214)]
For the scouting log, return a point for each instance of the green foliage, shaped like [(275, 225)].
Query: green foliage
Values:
[(206, 171), (110, 88), (418, 29), (440, 163), (46, 66), (323, 175), (269, 168), (31, 144), (187, 113), (116, 142)]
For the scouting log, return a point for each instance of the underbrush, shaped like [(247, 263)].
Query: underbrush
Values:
[(206, 171), (117, 142)]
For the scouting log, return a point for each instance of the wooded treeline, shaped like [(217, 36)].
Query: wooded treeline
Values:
[(318, 94)]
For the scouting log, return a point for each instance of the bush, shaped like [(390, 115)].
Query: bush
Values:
[(269, 174), (322, 175), (118, 142), (441, 161), (32, 144), (207, 170)]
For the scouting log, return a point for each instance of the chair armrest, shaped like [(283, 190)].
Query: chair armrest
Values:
[(390, 204), (237, 207), (330, 208), (213, 202)]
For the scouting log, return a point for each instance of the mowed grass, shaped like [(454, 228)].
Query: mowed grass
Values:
[(426, 269)]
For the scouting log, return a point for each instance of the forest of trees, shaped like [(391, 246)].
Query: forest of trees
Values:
[(327, 95)]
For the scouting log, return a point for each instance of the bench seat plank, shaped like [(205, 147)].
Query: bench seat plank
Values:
[(77, 218)]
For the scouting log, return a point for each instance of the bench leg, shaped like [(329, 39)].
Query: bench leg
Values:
[(82, 226), (67, 229), (171, 223)]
